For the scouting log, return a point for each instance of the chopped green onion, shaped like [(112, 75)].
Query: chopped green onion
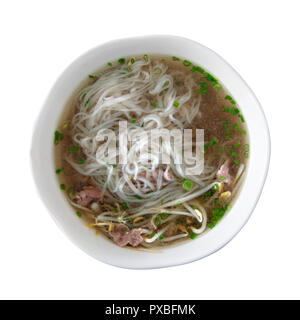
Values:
[(79, 214), (115, 210), (215, 187), (153, 104), (241, 117), (222, 178), (226, 109), (235, 127), (121, 60), (236, 145), (146, 57), (62, 187), (212, 142), (234, 111), (194, 68), (132, 60), (227, 137), (199, 69), (73, 149), (193, 235), (186, 63), (124, 205), (233, 154), (207, 193), (59, 170), (138, 197), (152, 235), (176, 104), (203, 85), (57, 137), (109, 64), (161, 237), (175, 58), (187, 184), (114, 165), (80, 161), (132, 121), (206, 146), (86, 103), (236, 161), (201, 90), (92, 76)]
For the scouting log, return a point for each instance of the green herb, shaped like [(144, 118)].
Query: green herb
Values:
[(203, 85), (92, 76), (176, 104), (194, 68), (199, 69), (57, 137), (80, 161), (228, 97), (236, 161), (222, 178), (157, 70), (152, 235), (86, 103), (236, 145), (186, 63), (153, 104), (62, 187), (215, 187), (193, 235), (132, 61), (201, 90), (161, 237), (79, 214), (59, 170), (206, 146), (208, 193), (115, 210), (124, 205), (226, 109), (175, 58), (146, 57), (234, 111), (138, 197), (132, 121), (241, 117), (109, 64), (212, 142), (227, 137), (121, 60), (233, 154), (235, 127), (114, 165), (187, 184), (73, 149), (219, 149)]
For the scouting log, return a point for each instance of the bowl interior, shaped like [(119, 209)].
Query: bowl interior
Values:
[(100, 247)]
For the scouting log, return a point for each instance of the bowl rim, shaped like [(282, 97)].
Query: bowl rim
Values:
[(265, 144)]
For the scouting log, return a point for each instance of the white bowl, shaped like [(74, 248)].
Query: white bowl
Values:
[(101, 248)]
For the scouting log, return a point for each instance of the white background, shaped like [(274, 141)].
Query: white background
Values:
[(260, 39)]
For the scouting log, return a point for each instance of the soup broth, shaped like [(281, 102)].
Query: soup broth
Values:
[(155, 204)]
